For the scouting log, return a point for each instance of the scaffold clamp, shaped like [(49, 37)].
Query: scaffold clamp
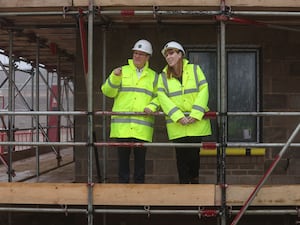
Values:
[(147, 209), (65, 207), (199, 212), (155, 9), (91, 184), (224, 186), (12, 173), (229, 211), (225, 14), (298, 214), (65, 10), (97, 10)]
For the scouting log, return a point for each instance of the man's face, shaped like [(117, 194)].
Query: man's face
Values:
[(140, 59)]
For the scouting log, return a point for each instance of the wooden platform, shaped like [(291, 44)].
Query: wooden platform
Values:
[(57, 188), (145, 194)]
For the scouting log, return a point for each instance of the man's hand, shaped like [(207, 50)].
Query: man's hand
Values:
[(147, 110), (118, 71)]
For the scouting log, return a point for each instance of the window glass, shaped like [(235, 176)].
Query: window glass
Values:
[(242, 90), (241, 95)]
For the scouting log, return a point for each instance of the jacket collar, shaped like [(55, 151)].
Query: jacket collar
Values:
[(130, 63)]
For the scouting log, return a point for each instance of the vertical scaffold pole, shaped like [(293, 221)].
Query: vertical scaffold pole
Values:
[(104, 120), (10, 118), (265, 177), (90, 112), (223, 118), (37, 105), (59, 108), (10, 105)]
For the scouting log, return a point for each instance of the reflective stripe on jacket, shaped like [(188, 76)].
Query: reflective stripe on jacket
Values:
[(132, 95), (191, 97)]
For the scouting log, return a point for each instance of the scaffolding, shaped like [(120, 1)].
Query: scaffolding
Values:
[(18, 130), (94, 194)]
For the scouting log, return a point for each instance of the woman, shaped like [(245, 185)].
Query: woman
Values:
[(183, 95)]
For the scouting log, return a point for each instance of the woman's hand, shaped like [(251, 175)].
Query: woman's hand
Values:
[(183, 121), (187, 120), (191, 120)]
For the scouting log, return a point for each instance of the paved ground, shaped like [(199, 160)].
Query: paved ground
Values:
[(25, 169)]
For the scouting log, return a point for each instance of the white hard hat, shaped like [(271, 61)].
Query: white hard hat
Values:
[(172, 44), (143, 46)]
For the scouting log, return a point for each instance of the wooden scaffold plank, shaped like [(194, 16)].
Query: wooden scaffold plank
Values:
[(108, 194), (43, 193), (269, 195), (145, 194), (155, 194)]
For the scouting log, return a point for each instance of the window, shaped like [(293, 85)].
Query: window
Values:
[(243, 91)]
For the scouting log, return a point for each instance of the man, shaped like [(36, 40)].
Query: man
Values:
[(133, 88)]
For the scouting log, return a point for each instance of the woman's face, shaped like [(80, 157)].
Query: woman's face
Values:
[(172, 56)]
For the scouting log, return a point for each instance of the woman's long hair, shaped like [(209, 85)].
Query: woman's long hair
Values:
[(175, 71)]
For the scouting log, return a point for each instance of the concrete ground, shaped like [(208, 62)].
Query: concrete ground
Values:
[(26, 169)]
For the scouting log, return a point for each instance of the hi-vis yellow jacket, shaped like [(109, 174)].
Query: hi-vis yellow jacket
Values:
[(132, 95), (191, 96)]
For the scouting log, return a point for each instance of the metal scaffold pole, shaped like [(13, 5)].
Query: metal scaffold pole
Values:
[(37, 106), (147, 211), (10, 118), (265, 177), (131, 13), (90, 113), (223, 119), (59, 94), (104, 119), (91, 143), (10, 104)]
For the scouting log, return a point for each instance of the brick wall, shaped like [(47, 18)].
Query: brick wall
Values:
[(279, 78)]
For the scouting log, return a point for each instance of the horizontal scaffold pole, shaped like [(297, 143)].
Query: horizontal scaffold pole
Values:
[(263, 113), (138, 12), (210, 114), (206, 145), (42, 113), (149, 211)]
